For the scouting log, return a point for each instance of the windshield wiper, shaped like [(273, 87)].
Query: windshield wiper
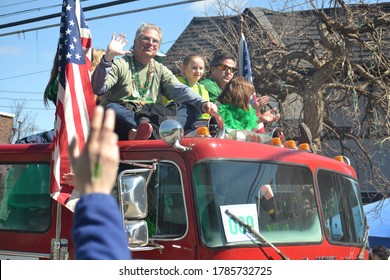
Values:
[(258, 235), (365, 239)]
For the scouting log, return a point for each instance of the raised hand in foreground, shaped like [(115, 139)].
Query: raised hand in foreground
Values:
[(95, 169)]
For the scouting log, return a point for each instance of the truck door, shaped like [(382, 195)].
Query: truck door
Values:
[(27, 211), (170, 219)]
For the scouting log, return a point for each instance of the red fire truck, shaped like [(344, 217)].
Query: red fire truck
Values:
[(195, 197)]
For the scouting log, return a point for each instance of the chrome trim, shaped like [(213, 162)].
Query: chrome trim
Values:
[(26, 254)]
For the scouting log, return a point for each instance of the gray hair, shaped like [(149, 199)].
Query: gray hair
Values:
[(148, 26)]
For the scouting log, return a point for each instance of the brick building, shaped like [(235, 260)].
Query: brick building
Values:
[(6, 125)]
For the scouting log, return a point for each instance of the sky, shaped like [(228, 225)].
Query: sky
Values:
[(27, 57)]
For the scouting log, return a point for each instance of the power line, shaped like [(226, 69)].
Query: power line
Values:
[(28, 108), (57, 15), (147, 9), (21, 99), (30, 10), (106, 16), (13, 77), (27, 11), (14, 4), (14, 91)]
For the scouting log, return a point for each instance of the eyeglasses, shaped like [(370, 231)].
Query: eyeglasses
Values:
[(146, 39), (224, 67)]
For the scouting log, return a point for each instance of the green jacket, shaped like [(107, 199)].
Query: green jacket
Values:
[(213, 89)]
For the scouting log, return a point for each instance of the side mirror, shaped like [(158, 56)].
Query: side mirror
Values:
[(137, 233), (172, 133), (133, 196)]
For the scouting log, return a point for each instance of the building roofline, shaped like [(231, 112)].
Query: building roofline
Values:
[(9, 115)]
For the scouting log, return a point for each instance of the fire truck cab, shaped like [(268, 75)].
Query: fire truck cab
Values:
[(195, 198)]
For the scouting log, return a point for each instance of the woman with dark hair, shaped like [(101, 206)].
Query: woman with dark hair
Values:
[(51, 89)]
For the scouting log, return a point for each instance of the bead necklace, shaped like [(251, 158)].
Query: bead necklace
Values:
[(141, 90)]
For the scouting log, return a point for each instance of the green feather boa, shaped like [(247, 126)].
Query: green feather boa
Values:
[(237, 118)]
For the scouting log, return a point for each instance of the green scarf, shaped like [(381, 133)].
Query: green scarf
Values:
[(237, 118)]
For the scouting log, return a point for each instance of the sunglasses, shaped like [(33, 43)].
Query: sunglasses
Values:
[(146, 39), (224, 67)]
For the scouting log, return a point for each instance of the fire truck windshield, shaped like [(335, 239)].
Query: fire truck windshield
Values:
[(276, 200)]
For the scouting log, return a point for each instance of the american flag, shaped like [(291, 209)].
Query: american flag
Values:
[(244, 61), (245, 70), (75, 98)]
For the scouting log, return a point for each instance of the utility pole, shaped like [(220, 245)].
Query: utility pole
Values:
[(19, 129)]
